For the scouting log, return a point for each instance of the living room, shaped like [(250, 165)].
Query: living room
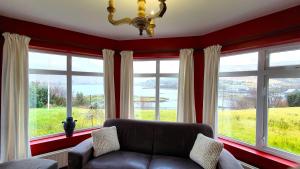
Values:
[(150, 84)]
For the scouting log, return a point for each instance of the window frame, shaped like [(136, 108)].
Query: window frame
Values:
[(157, 75), (238, 74), (264, 73), (68, 73)]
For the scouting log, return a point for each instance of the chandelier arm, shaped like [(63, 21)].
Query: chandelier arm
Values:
[(161, 12), (120, 21), (111, 10), (150, 28), (150, 32)]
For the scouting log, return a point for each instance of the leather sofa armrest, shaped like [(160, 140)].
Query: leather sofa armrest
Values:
[(80, 154), (227, 161)]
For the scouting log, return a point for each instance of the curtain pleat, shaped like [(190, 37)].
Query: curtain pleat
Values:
[(186, 100), (109, 84), (211, 69), (126, 95), (14, 98)]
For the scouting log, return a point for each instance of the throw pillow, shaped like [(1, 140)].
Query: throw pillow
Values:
[(206, 151), (105, 140)]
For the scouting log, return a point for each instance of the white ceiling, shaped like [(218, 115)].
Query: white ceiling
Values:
[(183, 17)]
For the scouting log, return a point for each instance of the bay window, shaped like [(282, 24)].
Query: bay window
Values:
[(259, 99), (62, 85), (155, 89)]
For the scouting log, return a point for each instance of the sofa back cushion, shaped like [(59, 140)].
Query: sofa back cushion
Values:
[(159, 138), (134, 136), (177, 139)]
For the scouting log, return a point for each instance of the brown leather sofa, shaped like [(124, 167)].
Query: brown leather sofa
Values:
[(148, 145)]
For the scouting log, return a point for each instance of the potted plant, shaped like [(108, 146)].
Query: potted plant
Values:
[(69, 126)]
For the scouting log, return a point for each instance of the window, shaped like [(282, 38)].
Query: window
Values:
[(61, 85), (259, 100), (155, 89), (237, 97)]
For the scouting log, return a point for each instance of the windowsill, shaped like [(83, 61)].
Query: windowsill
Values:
[(256, 157), (54, 143)]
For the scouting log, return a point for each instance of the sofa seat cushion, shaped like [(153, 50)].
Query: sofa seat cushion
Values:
[(169, 162), (120, 159)]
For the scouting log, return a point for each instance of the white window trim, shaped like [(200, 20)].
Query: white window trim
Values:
[(264, 73), (157, 75), (69, 74)]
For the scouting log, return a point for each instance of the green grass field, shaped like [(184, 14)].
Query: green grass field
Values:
[(283, 123), (46, 122), (283, 127)]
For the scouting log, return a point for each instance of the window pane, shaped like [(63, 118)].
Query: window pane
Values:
[(88, 101), (168, 99), (47, 104), (284, 114), (82, 64), (242, 62), (286, 58), (144, 98), (237, 108), (47, 61), (144, 66), (169, 66)]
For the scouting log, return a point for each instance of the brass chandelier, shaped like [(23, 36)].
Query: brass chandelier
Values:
[(143, 22)]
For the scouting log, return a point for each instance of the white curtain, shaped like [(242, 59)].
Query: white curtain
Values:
[(126, 95), (212, 58), (186, 100), (14, 98), (109, 84)]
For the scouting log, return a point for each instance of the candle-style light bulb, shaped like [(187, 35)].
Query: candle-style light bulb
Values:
[(111, 3)]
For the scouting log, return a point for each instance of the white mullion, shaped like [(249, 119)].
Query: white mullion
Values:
[(47, 72), (86, 73), (238, 74), (288, 67), (144, 75), (157, 113), (69, 86), (265, 111), (283, 73), (260, 101), (168, 74)]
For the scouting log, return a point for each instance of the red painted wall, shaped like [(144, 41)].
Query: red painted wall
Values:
[(56, 39), (278, 28), (117, 78)]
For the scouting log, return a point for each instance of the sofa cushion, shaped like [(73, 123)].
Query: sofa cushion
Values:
[(120, 159), (206, 151), (170, 162), (105, 140)]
